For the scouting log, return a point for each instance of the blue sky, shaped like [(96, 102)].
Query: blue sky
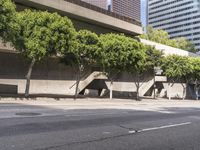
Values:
[(143, 12)]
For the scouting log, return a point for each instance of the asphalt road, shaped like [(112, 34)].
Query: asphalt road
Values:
[(105, 129)]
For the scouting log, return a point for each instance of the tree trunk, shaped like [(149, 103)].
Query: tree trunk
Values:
[(77, 83), (137, 92), (196, 91), (154, 86), (169, 90), (28, 77), (184, 91), (138, 88), (111, 89)]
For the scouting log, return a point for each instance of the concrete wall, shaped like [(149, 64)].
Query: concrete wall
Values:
[(168, 50), (53, 78), (82, 14)]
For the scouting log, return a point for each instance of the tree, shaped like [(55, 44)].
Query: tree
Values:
[(118, 53), (148, 58), (7, 16), (195, 75), (83, 53), (161, 36), (177, 68), (156, 35), (184, 44), (41, 34)]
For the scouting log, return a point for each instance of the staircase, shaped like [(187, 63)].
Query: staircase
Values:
[(147, 85), (84, 83)]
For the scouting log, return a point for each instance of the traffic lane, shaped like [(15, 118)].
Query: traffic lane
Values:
[(59, 134), (182, 137), (129, 120)]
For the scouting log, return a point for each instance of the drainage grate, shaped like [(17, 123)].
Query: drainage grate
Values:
[(27, 114)]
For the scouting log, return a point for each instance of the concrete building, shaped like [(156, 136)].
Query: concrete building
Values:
[(127, 8), (86, 16), (53, 78), (100, 3), (180, 18)]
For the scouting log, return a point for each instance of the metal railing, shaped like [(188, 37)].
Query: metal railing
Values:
[(104, 11)]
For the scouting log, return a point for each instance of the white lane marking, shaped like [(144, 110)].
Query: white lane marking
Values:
[(131, 132), (106, 132), (161, 127)]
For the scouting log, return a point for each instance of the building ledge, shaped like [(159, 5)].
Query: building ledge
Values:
[(88, 13)]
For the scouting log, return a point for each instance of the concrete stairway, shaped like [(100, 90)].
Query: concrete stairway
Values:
[(84, 83), (147, 85)]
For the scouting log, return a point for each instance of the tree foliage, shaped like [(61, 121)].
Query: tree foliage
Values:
[(7, 16), (120, 53), (39, 35), (176, 67), (161, 36), (195, 62), (83, 52), (84, 48)]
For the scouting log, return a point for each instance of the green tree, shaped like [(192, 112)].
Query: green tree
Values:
[(184, 44), (7, 16), (161, 36), (148, 58), (195, 75), (83, 53), (177, 68), (156, 35), (119, 53), (41, 34)]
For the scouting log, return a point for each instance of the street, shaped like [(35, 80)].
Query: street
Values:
[(145, 126)]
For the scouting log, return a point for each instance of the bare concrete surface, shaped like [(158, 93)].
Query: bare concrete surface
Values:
[(66, 106), (99, 124)]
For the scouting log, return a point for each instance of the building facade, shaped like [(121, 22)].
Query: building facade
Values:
[(180, 18), (127, 8), (100, 3)]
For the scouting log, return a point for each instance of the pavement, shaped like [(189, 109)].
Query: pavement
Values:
[(99, 124), (44, 106)]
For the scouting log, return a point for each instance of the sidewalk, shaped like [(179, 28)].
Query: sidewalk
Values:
[(10, 107), (104, 103)]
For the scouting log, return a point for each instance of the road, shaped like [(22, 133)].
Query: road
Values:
[(99, 129)]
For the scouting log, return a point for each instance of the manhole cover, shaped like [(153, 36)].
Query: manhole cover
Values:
[(27, 114)]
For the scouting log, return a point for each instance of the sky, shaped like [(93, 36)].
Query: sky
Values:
[(143, 12)]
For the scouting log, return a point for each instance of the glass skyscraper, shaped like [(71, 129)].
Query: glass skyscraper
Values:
[(180, 18)]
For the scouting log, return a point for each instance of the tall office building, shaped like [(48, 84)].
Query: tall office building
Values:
[(180, 18), (127, 8)]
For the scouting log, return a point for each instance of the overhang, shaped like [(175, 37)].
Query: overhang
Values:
[(87, 13)]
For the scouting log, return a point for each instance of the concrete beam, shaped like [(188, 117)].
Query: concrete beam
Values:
[(81, 13), (168, 50)]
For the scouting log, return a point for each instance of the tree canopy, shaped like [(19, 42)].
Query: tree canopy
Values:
[(82, 53), (7, 16), (195, 62), (119, 52), (176, 67), (84, 49), (40, 34), (161, 36)]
